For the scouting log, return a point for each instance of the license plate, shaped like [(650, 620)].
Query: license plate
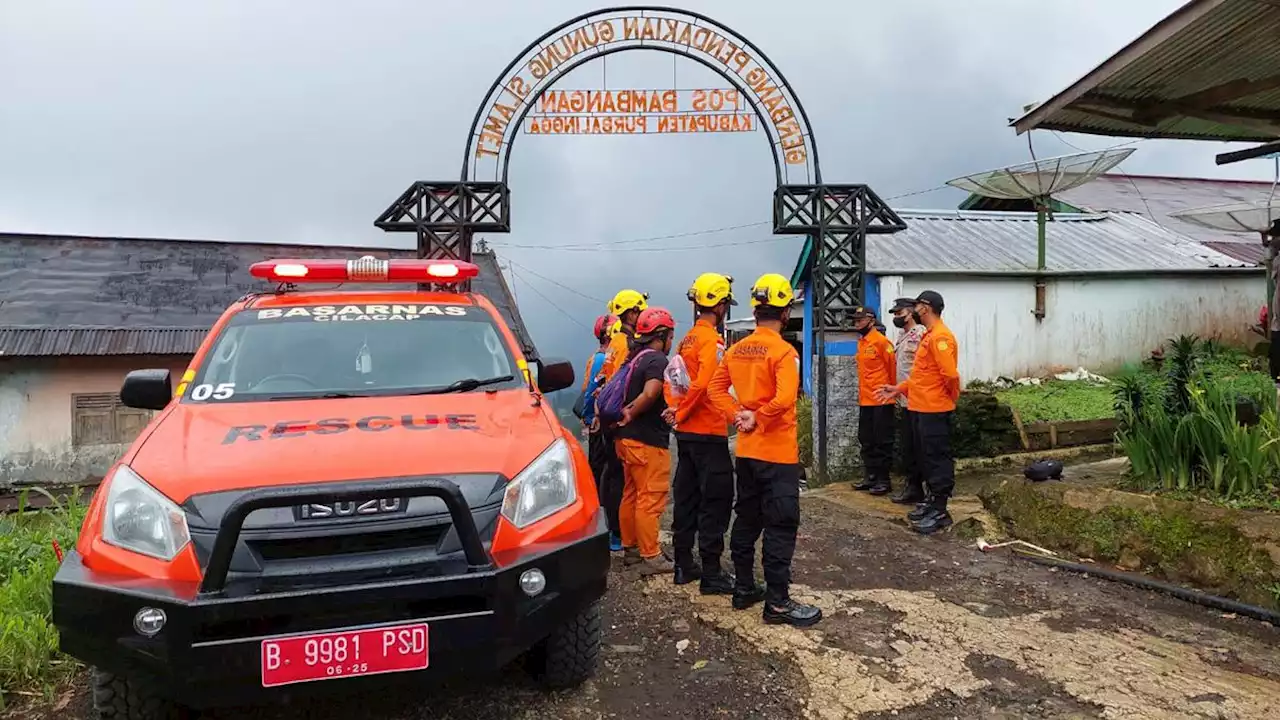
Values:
[(345, 653)]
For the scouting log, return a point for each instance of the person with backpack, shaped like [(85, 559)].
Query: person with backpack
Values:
[(599, 451), (702, 491), (626, 306), (764, 371), (633, 400)]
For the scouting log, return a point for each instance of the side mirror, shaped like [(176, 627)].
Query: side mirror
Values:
[(147, 389), (554, 374)]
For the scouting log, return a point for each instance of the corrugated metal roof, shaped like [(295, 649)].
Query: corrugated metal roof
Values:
[(119, 285), (17, 341), (963, 241), (1159, 197), (1252, 253), (1202, 45)]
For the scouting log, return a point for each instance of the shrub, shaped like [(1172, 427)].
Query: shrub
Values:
[(1206, 447), (29, 656)]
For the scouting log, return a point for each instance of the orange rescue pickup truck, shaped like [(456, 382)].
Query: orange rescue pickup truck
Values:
[(345, 487)]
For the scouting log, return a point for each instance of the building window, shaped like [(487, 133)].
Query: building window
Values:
[(100, 419)]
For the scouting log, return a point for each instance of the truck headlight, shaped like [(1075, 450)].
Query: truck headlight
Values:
[(546, 486), (139, 518)]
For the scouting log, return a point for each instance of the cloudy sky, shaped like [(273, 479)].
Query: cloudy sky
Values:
[(289, 121)]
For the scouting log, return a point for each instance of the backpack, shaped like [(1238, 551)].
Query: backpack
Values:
[(613, 396)]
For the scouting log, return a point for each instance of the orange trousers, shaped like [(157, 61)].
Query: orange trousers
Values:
[(646, 472)]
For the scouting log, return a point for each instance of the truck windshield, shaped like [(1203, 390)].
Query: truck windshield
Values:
[(317, 351)]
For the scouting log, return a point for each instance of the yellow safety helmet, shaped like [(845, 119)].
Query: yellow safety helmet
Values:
[(615, 328), (628, 300), (773, 290), (711, 289)]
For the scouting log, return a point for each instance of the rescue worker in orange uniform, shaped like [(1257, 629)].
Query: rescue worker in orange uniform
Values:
[(764, 371), (626, 306), (644, 443), (703, 487), (877, 367), (931, 391)]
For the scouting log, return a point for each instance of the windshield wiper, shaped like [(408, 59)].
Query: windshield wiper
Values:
[(321, 396), (464, 385)]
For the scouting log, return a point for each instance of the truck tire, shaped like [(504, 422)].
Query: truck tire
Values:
[(568, 657), (119, 698)]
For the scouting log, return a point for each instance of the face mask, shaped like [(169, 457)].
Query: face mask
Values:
[(916, 316), (899, 322), (863, 331)]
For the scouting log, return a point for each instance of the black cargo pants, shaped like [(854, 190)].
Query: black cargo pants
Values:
[(703, 498), (910, 465), (769, 503), (607, 468), (875, 436), (933, 448)]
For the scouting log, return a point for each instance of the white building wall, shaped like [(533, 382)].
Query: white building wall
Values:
[(1100, 323)]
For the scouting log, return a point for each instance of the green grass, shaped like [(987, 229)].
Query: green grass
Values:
[(1058, 400), (29, 658)]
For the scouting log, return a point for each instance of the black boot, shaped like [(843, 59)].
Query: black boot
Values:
[(934, 520), (881, 487), (687, 571), (791, 613), (920, 510), (866, 484), (746, 596), (908, 496), (720, 583)]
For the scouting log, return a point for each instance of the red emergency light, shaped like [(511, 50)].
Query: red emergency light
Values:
[(367, 269)]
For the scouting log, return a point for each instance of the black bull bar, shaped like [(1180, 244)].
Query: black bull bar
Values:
[(215, 575)]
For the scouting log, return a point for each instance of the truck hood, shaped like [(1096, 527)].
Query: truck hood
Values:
[(205, 448)]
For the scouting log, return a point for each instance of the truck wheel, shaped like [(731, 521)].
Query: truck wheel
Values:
[(118, 698), (568, 657)]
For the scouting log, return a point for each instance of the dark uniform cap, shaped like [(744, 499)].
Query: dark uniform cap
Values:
[(904, 303), (932, 299), (863, 312)]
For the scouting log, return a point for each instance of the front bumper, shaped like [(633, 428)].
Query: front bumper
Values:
[(209, 652)]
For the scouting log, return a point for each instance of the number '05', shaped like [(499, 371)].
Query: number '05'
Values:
[(221, 391)]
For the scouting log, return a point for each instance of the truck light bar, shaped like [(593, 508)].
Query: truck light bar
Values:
[(367, 269)]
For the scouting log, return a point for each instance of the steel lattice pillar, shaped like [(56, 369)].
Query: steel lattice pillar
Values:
[(445, 216), (838, 218)]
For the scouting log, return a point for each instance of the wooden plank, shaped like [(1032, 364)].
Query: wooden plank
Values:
[(1070, 433), (130, 423), (92, 427), (1022, 431)]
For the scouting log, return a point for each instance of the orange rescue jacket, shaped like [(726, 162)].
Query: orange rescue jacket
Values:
[(701, 350), (934, 382), (764, 371), (619, 348), (877, 367)]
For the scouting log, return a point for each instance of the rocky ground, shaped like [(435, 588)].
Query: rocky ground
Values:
[(917, 628)]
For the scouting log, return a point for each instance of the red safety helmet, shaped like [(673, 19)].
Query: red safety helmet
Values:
[(603, 323), (654, 319)]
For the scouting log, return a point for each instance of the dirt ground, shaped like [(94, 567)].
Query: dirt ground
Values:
[(917, 628)]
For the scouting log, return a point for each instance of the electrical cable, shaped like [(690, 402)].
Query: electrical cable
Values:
[(612, 244), (555, 282), (515, 275)]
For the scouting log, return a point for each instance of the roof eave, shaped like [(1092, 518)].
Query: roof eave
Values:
[(1179, 20)]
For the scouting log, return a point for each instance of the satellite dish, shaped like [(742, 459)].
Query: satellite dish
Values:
[(1040, 179), (1254, 216)]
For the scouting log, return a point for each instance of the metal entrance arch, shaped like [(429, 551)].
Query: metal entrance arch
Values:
[(446, 215)]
